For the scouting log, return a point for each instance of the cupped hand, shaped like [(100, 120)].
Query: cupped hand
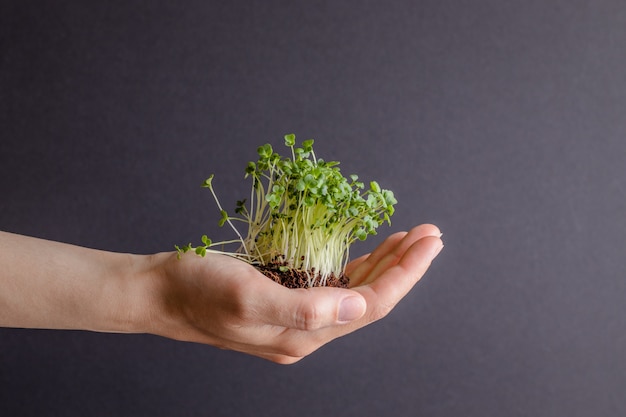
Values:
[(224, 302)]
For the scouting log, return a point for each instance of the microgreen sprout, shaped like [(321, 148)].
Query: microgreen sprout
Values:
[(302, 213)]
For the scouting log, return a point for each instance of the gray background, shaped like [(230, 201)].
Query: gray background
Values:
[(503, 122)]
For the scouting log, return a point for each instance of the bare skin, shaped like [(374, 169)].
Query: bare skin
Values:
[(216, 300)]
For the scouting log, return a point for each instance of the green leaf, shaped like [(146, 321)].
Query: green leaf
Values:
[(241, 206), (361, 234), (207, 182), (265, 151), (390, 199), (290, 139), (273, 200), (307, 145), (310, 180), (251, 168), (224, 218), (182, 250)]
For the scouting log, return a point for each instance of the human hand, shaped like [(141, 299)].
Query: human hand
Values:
[(227, 303)]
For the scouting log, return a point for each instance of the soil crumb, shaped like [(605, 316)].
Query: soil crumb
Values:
[(298, 278)]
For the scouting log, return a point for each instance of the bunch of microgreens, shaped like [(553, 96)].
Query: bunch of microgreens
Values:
[(302, 213)]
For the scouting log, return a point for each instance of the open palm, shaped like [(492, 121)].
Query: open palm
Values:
[(227, 303)]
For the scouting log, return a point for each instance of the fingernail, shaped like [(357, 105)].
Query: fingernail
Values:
[(350, 309)]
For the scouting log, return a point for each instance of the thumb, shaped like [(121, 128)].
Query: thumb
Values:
[(319, 307)]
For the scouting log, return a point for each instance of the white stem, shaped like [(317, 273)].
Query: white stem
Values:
[(219, 206)]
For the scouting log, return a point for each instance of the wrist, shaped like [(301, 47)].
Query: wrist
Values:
[(155, 303), (130, 294)]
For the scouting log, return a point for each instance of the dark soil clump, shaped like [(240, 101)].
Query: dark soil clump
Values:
[(298, 278)]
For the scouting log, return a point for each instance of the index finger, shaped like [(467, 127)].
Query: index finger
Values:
[(388, 253), (384, 292)]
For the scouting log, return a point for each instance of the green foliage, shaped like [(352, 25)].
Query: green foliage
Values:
[(302, 212)]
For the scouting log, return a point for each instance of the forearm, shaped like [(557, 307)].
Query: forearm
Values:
[(45, 284)]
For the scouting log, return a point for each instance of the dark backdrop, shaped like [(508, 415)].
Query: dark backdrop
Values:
[(503, 122)]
